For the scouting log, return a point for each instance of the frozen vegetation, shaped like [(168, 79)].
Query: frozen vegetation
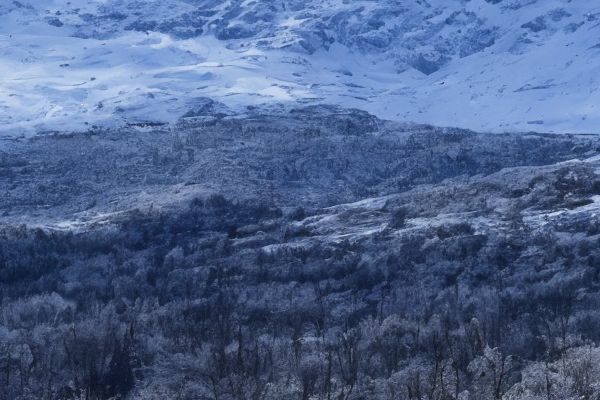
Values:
[(254, 200), (318, 253)]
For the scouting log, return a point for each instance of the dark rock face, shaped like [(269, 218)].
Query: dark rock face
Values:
[(537, 25), (54, 22)]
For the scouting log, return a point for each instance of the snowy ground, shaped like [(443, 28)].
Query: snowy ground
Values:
[(530, 79)]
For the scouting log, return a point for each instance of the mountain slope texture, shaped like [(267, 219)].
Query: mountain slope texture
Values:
[(494, 65), (299, 200)]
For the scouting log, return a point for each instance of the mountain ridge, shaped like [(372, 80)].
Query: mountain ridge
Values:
[(483, 65)]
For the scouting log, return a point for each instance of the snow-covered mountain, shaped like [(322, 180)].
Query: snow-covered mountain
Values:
[(494, 65)]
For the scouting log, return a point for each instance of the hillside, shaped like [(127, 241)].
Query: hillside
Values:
[(299, 200), (312, 254), (485, 65)]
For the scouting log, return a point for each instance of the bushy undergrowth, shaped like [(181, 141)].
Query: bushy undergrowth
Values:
[(214, 302)]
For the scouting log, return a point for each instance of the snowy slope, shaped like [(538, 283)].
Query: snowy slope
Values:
[(508, 65)]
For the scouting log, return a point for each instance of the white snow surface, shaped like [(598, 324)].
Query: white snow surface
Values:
[(488, 65)]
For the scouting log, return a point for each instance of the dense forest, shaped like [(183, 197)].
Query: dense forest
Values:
[(446, 268)]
